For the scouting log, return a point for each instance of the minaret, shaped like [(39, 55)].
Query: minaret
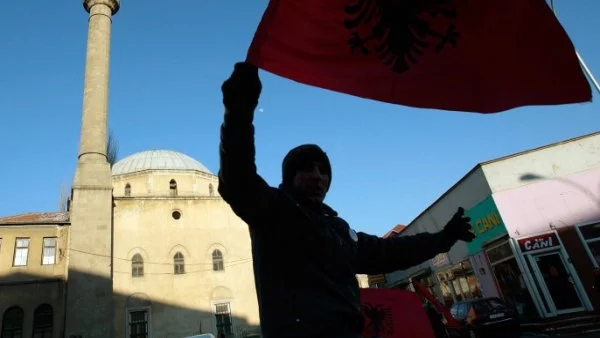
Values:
[(89, 284)]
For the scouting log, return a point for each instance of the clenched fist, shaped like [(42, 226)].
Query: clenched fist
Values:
[(242, 90)]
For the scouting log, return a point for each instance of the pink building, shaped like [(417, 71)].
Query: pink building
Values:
[(536, 217), (554, 223)]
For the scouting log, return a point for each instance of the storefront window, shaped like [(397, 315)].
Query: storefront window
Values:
[(591, 236), (474, 287), (461, 282), (510, 279), (446, 288), (499, 252)]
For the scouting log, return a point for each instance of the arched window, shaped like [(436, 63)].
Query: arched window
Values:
[(12, 323), (179, 263), (173, 188), (127, 190), (43, 320), (137, 266), (211, 190), (217, 258)]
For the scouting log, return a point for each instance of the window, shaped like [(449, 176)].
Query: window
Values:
[(137, 266), (138, 324), (176, 215), (211, 189), (43, 319), (590, 234), (127, 189), (179, 264), (217, 258), (173, 188), (21, 251), (12, 323), (49, 252), (223, 319), (499, 253), (510, 280)]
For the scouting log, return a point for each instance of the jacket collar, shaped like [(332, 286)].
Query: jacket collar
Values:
[(321, 208)]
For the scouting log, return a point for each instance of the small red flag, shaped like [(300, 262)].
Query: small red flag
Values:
[(394, 313), (467, 55)]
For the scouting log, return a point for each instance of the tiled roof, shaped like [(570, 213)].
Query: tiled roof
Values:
[(37, 218), (395, 231)]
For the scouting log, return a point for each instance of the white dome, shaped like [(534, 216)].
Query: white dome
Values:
[(157, 160)]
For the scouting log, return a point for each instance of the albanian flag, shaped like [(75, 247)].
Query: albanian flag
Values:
[(481, 56), (394, 313)]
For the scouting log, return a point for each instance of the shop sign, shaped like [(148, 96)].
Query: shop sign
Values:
[(486, 223), (533, 243)]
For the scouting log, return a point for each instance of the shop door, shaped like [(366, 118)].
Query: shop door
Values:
[(553, 276)]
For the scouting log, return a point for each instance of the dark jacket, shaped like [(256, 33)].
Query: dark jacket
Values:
[(305, 256)]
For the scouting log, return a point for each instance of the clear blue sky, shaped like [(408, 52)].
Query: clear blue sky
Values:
[(169, 59)]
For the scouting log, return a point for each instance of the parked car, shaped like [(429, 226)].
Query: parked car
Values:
[(483, 317)]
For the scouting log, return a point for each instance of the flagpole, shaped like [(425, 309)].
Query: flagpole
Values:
[(586, 69), (588, 72)]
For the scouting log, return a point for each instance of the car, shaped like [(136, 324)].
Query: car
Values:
[(484, 317)]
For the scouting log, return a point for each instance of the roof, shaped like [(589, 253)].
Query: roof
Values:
[(395, 231), (533, 150), (500, 159), (37, 218), (157, 160)]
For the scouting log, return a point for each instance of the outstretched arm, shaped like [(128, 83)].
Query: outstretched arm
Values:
[(384, 255), (239, 183)]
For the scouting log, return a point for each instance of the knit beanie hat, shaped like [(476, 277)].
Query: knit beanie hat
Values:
[(301, 157)]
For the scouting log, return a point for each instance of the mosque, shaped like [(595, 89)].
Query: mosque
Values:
[(181, 261), (147, 247)]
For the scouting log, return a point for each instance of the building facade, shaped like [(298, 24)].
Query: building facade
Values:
[(33, 265), (181, 260), (536, 217)]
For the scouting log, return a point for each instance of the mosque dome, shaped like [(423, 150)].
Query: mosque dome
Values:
[(157, 160)]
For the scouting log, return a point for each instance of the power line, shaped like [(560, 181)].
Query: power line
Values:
[(153, 263), (249, 260)]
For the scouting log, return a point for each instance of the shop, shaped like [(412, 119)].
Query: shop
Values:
[(488, 228), (551, 277), (536, 227), (509, 279)]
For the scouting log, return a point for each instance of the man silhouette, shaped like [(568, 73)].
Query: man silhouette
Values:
[(305, 256)]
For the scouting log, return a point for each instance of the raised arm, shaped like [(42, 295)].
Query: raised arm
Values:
[(239, 183), (384, 255)]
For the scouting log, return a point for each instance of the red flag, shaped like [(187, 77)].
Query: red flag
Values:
[(451, 322), (394, 313), (468, 55)]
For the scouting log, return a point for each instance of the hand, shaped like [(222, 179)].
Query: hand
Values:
[(242, 89), (458, 228)]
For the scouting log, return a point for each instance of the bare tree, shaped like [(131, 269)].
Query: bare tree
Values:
[(112, 149), (65, 195)]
